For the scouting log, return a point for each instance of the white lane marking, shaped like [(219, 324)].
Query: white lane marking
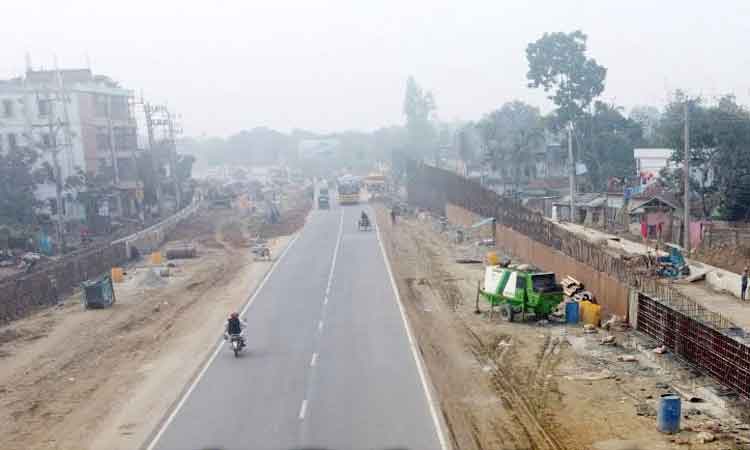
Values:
[(203, 371), (325, 300), (335, 254), (303, 410), (320, 326), (314, 360), (415, 353)]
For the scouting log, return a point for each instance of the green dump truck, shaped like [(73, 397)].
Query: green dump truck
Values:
[(519, 290)]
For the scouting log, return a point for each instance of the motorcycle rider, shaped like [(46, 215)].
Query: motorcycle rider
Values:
[(235, 326)]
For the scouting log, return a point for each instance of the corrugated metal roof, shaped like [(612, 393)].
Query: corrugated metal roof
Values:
[(665, 153)]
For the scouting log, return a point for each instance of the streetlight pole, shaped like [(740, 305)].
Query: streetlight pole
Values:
[(572, 179), (686, 179)]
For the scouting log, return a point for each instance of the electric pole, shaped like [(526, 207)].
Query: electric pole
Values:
[(173, 160), (148, 112), (56, 172), (686, 179), (572, 172)]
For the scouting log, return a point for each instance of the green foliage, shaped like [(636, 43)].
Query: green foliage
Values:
[(648, 118), (719, 144), (605, 143), (184, 167), (89, 190), (259, 145), (558, 63), (509, 135), (17, 186)]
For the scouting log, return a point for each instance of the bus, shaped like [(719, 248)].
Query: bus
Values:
[(348, 190)]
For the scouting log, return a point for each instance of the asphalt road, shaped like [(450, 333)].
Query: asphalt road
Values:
[(328, 363)]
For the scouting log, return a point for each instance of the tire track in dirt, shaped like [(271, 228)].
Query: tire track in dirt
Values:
[(522, 408)]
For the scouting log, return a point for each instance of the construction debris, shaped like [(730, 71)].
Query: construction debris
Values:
[(704, 437), (571, 286), (181, 250), (607, 340)]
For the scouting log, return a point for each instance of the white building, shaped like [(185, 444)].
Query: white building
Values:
[(650, 161), (88, 117)]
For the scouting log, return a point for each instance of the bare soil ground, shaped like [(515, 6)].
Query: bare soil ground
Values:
[(529, 386), (103, 379)]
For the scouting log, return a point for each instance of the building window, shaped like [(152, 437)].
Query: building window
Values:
[(45, 107), (125, 138), (102, 139), (8, 108), (100, 105), (119, 108), (12, 142)]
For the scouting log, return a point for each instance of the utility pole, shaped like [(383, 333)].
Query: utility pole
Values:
[(57, 172), (148, 112), (173, 160), (686, 178), (572, 172)]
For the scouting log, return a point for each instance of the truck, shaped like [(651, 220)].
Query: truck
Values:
[(519, 290)]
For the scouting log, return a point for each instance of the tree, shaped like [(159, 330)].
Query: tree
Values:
[(606, 139), (465, 143), (17, 186), (510, 134), (89, 190), (648, 118), (558, 63), (419, 108), (719, 151)]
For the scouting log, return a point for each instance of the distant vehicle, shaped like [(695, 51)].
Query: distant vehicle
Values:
[(515, 290), (324, 201), (348, 190), (375, 183)]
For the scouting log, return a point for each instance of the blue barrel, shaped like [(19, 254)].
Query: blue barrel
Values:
[(571, 312), (668, 415)]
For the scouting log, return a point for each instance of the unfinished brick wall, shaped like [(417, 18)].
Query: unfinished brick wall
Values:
[(22, 294), (610, 293)]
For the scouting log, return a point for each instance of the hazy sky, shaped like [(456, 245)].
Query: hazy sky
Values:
[(226, 65)]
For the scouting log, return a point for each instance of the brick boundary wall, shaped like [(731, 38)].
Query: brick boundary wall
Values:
[(610, 293), (700, 336), (433, 189), (22, 294)]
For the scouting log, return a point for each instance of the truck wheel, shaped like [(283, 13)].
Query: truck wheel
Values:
[(506, 312)]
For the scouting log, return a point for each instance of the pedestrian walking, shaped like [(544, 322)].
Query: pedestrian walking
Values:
[(393, 216), (743, 287)]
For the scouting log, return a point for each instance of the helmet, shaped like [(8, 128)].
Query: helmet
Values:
[(234, 315)]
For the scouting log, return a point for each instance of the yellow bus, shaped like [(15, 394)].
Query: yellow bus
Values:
[(348, 191)]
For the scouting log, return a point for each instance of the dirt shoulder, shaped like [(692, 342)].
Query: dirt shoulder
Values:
[(529, 386), (103, 379)]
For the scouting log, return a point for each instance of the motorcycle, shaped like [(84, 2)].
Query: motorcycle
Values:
[(237, 341), (364, 224)]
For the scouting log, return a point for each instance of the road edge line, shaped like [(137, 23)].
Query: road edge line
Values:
[(423, 375), (150, 444)]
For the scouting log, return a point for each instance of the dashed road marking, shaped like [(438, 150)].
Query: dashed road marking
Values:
[(303, 410), (314, 360)]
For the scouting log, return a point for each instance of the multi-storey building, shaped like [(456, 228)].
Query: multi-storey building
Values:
[(87, 122)]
